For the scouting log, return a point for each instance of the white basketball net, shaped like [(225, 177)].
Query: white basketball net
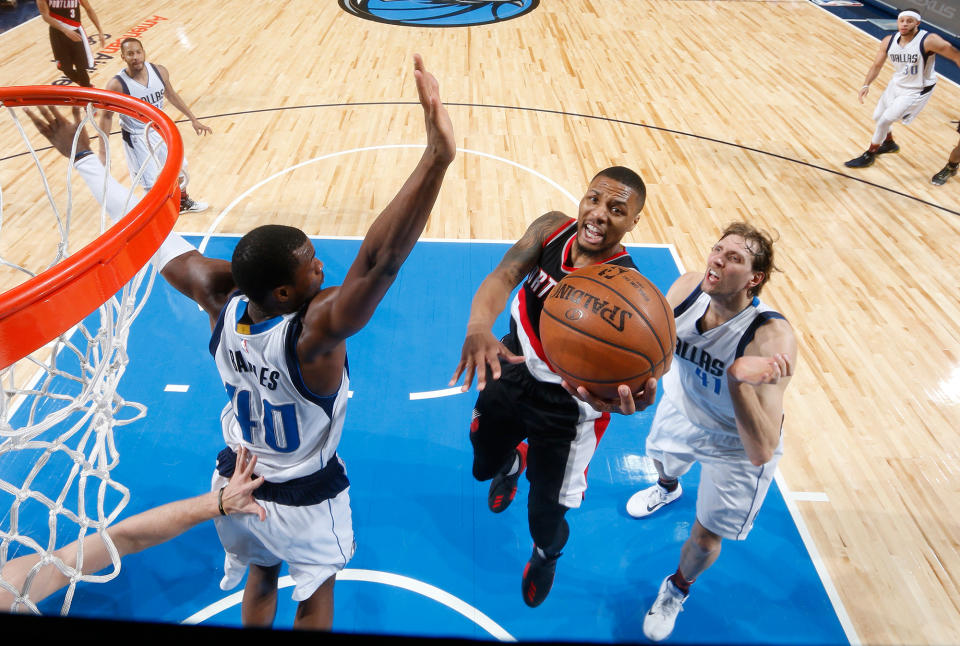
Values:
[(59, 408)]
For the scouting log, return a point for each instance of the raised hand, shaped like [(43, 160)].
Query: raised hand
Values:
[(440, 143), (59, 130)]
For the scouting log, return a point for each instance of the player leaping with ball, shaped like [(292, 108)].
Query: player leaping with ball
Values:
[(522, 398)]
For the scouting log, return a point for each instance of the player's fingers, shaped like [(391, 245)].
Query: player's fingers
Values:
[(468, 376), (786, 365), (456, 373), (648, 395), (481, 371), (493, 360), (510, 356), (627, 404), (587, 396), (41, 125)]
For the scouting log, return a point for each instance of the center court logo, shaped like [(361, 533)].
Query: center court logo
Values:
[(439, 13)]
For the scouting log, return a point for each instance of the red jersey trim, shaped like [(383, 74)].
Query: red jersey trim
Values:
[(599, 428), (563, 227), (65, 20), (532, 335)]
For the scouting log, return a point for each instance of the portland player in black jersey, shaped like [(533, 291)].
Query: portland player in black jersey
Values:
[(525, 417), (67, 38)]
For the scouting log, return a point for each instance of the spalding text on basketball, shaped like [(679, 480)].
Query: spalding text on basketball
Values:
[(614, 315)]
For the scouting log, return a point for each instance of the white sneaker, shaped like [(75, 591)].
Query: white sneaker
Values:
[(646, 501), (658, 624), (192, 206)]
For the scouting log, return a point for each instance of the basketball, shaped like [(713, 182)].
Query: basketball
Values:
[(606, 325)]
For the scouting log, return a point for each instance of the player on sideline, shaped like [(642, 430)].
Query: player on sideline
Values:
[(279, 343), (722, 406), (950, 169), (148, 82), (134, 534), (68, 39), (522, 398), (912, 51)]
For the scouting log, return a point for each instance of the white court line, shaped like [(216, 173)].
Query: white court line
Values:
[(216, 222), (176, 388), (25, 22), (385, 578), (432, 394), (809, 496), (818, 563)]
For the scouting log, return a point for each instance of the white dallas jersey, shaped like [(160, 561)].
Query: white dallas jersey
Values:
[(696, 384), (151, 93), (292, 431), (913, 65)]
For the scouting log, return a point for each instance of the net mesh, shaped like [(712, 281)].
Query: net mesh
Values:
[(60, 405)]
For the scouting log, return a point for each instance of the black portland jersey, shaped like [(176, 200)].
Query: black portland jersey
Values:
[(528, 303)]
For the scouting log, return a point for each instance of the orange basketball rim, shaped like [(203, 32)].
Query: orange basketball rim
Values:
[(47, 305)]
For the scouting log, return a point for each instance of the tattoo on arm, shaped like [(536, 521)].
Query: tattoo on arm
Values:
[(523, 256)]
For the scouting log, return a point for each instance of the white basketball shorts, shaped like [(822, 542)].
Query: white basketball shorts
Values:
[(896, 104), (150, 157), (731, 489), (316, 541)]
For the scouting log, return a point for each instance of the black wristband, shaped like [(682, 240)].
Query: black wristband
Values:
[(220, 501), (81, 154)]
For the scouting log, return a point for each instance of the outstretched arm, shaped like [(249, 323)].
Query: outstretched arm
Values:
[(390, 238), (208, 281), (757, 381), (134, 534), (180, 104), (874, 70), (937, 44), (480, 347), (105, 120)]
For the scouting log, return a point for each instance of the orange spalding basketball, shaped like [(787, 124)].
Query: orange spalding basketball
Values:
[(605, 325)]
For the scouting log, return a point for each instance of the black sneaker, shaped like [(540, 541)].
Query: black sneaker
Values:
[(943, 175), (889, 146), (503, 488), (864, 160), (539, 573)]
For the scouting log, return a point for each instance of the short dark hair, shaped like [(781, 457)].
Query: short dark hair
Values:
[(760, 245), (264, 259), (628, 178), (130, 40)]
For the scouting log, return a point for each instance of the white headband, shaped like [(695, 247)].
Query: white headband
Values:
[(909, 14)]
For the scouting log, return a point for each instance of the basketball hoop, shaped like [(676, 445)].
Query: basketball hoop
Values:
[(37, 311), (66, 326)]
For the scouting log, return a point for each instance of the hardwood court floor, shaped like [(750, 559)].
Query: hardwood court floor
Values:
[(729, 110)]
